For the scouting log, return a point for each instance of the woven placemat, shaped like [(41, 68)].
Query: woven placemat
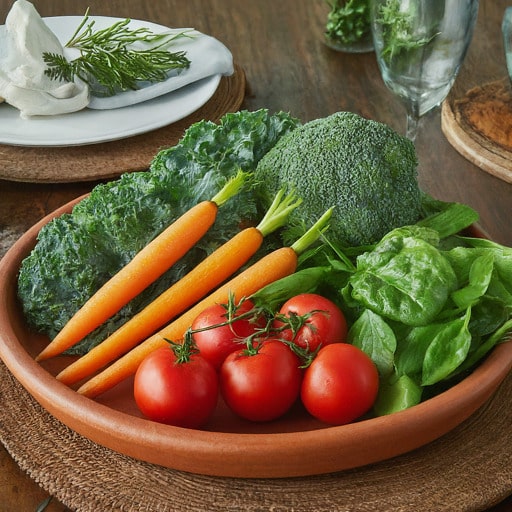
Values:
[(469, 469), (110, 159)]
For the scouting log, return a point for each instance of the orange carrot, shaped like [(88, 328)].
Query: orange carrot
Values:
[(147, 266), (276, 265), (208, 274)]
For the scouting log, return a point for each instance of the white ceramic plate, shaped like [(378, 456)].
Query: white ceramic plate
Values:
[(94, 126)]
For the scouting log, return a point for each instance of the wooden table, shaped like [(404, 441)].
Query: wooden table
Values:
[(278, 45)]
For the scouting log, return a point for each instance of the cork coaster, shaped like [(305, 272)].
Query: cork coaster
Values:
[(468, 469), (110, 159), (479, 126)]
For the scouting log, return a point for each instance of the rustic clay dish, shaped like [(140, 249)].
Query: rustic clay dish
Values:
[(293, 446)]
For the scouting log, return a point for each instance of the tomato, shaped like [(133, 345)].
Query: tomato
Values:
[(216, 343), (183, 394), (324, 322), (263, 385), (340, 385)]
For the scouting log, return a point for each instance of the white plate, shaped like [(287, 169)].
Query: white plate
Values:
[(94, 126)]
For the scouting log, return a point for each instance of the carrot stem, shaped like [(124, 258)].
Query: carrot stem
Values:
[(145, 268), (313, 233), (278, 212), (279, 263)]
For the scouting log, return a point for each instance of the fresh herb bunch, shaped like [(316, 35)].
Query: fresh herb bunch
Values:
[(398, 31), (348, 21), (108, 61)]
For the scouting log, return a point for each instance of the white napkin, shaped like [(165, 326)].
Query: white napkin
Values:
[(23, 83), (207, 57)]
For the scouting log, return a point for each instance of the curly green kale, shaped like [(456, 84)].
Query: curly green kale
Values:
[(78, 252), (361, 168)]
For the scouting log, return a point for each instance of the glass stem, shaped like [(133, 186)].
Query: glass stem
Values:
[(413, 120), (412, 126)]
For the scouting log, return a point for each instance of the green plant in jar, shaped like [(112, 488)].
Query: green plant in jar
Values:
[(348, 25)]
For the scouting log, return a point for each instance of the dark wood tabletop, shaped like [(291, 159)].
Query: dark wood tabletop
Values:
[(287, 67)]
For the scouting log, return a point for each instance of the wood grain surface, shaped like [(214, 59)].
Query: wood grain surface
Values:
[(287, 67)]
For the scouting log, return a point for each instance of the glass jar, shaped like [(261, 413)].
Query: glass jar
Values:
[(347, 25)]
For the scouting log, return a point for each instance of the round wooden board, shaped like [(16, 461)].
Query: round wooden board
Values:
[(479, 126), (110, 159)]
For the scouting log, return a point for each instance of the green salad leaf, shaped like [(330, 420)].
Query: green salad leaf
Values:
[(404, 278), (425, 303)]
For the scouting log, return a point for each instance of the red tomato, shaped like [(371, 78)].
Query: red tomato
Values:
[(217, 343), (340, 385), (326, 325), (183, 394), (261, 386)]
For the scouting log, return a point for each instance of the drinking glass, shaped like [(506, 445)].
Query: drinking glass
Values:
[(420, 45)]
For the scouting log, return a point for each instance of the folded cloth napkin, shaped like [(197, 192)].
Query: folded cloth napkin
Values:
[(207, 57), (23, 83)]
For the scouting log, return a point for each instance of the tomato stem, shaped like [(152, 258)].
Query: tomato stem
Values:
[(185, 350)]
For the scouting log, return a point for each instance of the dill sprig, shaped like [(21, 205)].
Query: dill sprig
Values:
[(398, 31), (117, 58)]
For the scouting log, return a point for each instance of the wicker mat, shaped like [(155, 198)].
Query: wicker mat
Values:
[(110, 159), (469, 469)]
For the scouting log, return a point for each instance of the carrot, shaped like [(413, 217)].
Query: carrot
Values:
[(147, 266), (208, 274), (276, 265)]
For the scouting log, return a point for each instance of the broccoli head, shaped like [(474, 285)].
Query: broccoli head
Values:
[(363, 169)]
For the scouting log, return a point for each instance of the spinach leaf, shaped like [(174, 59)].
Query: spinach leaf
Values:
[(447, 350), (480, 274), (307, 280), (501, 335), (431, 353), (411, 350), (405, 279), (375, 337), (461, 259), (396, 394), (487, 315)]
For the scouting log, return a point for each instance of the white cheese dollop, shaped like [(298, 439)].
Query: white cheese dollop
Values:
[(23, 83)]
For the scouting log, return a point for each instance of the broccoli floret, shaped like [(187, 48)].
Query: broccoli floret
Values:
[(363, 169)]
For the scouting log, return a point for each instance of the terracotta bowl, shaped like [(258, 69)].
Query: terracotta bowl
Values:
[(295, 445)]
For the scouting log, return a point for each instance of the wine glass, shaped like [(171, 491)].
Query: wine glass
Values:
[(420, 45)]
